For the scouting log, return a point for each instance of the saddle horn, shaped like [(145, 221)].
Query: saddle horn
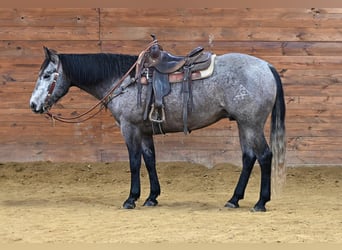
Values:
[(155, 49), (153, 37)]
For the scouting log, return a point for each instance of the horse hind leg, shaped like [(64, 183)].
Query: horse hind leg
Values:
[(265, 161), (254, 147), (248, 160)]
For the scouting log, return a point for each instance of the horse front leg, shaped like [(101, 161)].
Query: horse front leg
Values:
[(148, 153), (134, 164), (133, 143)]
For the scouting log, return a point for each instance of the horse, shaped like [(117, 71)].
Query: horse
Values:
[(242, 88)]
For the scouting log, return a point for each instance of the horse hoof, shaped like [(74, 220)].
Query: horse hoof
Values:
[(129, 205), (150, 203), (231, 205), (258, 209)]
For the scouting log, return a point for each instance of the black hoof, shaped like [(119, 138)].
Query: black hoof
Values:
[(129, 204), (150, 203), (258, 209), (231, 205)]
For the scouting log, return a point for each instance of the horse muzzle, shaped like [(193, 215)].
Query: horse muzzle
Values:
[(39, 109)]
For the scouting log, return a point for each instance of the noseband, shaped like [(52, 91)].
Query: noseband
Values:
[(52, 87)]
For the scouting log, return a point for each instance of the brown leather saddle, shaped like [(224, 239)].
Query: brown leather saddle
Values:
[(163, 68)]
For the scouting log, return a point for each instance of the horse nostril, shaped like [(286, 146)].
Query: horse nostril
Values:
[(33, 106)]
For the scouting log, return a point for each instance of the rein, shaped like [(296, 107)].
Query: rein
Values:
[(104, 101)]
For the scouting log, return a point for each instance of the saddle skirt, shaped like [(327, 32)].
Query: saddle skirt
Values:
[(178, 76)]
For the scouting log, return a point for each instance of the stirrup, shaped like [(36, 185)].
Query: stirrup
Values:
[(154, 115)]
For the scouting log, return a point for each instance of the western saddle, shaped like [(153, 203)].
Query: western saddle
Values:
[(160, 68)]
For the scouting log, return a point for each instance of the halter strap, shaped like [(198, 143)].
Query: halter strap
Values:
[(52, 85)]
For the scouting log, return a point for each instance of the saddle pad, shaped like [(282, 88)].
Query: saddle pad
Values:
[(196, 75)]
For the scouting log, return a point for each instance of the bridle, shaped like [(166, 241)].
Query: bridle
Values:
[(52, 87), (104, 101)]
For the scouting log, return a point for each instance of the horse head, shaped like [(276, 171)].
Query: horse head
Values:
[(51, 84)]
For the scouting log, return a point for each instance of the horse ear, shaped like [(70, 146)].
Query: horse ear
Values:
[(46, 52), (50, 54)]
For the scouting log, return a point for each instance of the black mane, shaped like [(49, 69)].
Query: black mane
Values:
[(94, 68)]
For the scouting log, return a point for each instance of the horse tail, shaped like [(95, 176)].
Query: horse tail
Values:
[(278, 137)]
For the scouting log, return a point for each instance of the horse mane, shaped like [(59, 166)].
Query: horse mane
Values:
[(94, 68)]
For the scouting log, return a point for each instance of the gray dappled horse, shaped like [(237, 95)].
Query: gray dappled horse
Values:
[(242, 88)]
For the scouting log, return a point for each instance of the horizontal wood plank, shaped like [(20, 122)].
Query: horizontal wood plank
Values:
[(206, 34), (221, 17), (256, 48), (205, 157), (33, 50), (49, 33), (40, 17)]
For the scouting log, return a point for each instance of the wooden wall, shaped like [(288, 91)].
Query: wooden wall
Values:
[(305, 45)]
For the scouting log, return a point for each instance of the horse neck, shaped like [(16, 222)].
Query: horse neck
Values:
[(97, 90), (96, 73)]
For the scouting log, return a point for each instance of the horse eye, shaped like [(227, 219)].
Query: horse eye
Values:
[(46, 76)]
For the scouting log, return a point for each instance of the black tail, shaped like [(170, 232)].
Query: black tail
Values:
[(278, 136)]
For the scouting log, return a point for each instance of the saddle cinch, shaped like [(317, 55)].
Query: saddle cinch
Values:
[(162, 69)]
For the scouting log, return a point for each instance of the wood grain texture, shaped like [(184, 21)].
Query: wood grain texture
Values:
[(305, 45)]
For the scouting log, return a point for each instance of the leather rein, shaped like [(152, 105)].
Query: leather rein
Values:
[(104, 101)]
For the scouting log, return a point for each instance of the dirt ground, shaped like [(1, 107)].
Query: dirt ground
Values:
[(63, 202)]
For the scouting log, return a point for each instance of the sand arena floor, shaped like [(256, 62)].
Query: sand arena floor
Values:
[(81, 202)]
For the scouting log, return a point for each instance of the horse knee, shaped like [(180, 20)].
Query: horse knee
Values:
[(248, 160)]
